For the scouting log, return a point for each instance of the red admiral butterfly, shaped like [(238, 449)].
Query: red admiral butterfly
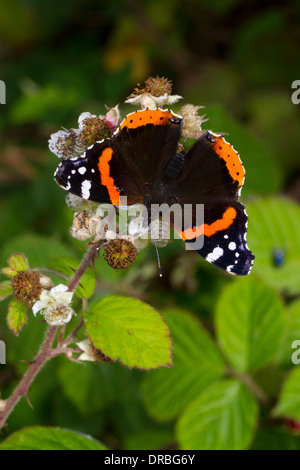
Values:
[(141, 162)]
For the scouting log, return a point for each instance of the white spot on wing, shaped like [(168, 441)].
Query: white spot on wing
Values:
[(85, 189), (232, 246), (82, 170), (215, 254)]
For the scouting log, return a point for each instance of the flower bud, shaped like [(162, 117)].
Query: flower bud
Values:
[(192, 122)]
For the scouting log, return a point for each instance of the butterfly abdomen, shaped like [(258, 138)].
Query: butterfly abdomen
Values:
[(173, 167)]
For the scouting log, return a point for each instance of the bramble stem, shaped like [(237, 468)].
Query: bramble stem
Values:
[(47, 351), (32, 371), (87, 260)]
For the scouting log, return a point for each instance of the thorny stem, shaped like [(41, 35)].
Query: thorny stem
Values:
[(87, 260), (46, 352), (32, 371)]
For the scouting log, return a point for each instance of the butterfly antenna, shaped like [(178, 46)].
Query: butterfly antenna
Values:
[(158, 259)]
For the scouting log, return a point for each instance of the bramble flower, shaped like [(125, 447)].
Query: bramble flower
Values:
[(192, 122), (73, 143), (66, 143), (85, 226), (54, 305), (111, 118), (90, 353), (25, 285), (120, 253), (155, 93), (94, 128)]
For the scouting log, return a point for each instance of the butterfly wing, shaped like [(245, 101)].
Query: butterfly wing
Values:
[(121, 166), (213, 175), (144, 143), (88, 176)]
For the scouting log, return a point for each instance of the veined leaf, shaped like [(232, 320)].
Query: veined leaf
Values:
[(223, 417), (130, 331), (196, 364), (250, 323)]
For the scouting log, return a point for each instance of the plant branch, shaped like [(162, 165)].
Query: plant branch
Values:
[(32, 371), (47, 351), (87, 260)]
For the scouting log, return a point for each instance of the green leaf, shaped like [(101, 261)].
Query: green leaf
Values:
[(5, 289), (223, 417), (40, 249), (149, 439), (275, 438), (93, 394), (250, 323), (274, 224), (291, 333), (48, 438), (67, 266), (289, 399), (9, 272), (16, 262), (130, 331), (196, 364), (17, 316)]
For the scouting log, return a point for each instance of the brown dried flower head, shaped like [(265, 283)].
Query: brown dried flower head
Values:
[(26, 287), (94, 129), (157, 86), (120, 253)]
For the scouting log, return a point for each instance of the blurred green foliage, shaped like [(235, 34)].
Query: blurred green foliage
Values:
[(239, 60)]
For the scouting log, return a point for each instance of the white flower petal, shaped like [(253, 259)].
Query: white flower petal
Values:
[(83, 117), (39, 305), (58, 290), (86, 357), (84, 345), (45, 295), (53, 141), (61, 320), (66, 297)]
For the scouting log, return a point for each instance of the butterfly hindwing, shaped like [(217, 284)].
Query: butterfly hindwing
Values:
[(223, 238)]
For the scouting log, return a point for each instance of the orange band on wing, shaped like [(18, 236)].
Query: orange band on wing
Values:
[(106, 179), (147, 116), (231, 158), (210, 229)]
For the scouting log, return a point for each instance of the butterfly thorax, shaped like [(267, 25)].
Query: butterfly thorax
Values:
[(161, 191)]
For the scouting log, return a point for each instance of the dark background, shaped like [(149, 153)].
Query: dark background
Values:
[(58, 59)]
